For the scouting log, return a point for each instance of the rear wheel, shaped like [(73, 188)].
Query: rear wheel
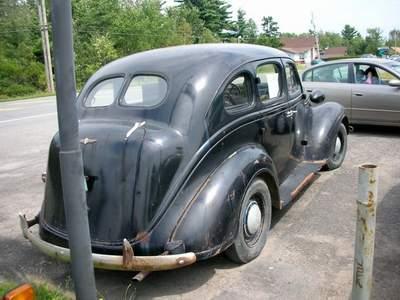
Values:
[(339, 149), (254, 223)]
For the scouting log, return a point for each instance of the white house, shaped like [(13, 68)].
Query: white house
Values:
[(300, 49)]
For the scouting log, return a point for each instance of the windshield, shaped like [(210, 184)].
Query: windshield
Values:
[(394, 66)]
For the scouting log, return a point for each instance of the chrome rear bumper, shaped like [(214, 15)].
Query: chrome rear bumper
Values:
[(111, 262)]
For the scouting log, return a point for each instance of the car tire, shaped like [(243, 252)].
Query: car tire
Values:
[(254, 223), (339, 148)]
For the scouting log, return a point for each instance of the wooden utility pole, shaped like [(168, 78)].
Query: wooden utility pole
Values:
[(46, 45), (315, 35)]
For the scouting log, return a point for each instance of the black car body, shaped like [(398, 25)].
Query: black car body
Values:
[(182, 137)]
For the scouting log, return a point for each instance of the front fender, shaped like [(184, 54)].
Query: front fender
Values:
[(316, 128), (209, 222)]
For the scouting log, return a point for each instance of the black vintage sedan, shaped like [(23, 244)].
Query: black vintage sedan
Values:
[(186, 150)]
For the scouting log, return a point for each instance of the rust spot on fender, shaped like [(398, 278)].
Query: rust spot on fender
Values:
[(142, 236)]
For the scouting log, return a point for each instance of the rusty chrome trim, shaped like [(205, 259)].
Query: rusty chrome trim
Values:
[(306, 182), (111, 262)]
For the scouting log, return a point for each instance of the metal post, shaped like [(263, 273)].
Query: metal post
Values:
[(70, 153), (365, 232)]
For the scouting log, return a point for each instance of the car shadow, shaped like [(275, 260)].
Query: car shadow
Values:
[(386, 268), (20, 262), (278, 214), (375, 130), (117, 285)]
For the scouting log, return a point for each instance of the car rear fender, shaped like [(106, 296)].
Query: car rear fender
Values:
[(316, 128), (209, 221)]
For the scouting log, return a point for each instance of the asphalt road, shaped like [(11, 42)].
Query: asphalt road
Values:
[(309, 253)]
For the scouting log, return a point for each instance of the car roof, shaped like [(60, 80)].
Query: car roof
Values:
[(175, 59), (376, 61)]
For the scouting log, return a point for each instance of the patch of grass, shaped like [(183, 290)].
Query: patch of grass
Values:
[(43, 291), (300, 67), (4, 98), (5, 287)]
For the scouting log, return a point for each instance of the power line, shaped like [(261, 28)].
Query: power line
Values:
[(34, 30)]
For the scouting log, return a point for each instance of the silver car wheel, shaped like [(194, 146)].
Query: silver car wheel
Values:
[(253, 218), (338, 146)]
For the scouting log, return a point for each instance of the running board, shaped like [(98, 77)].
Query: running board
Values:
[(302, 176)]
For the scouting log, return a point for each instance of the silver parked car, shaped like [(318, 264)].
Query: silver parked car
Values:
[(369, 89)]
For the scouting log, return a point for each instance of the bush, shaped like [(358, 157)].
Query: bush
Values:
[(19, 77)]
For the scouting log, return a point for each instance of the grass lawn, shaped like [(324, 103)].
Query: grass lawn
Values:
[(301, 67), (43, 291), (37, 95)]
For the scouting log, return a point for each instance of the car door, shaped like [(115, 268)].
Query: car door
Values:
[(375, 102), (334, 80), (277, 116)]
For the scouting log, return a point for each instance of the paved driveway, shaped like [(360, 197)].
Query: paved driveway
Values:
[(309, 254)]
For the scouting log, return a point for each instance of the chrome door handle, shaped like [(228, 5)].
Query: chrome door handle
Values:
[(290, 113), (358, 94)]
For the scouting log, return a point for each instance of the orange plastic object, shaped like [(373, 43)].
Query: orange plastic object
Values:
[(23, 292)]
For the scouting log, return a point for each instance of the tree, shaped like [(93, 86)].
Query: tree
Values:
[(250, 33), (394, 38), (349, 33), (270, 35), (245, 29), (97, 52), (21, 56), (374, 39), (270, 27), (214, 13), (241, 23), (357, 46), (330, 39)]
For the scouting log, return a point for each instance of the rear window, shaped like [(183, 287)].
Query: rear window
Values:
[(145, 90), (104, 93)]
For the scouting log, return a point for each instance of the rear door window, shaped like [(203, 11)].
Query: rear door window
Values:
[(308, 76), (104, 93), (237, 94), (269, 84), (145, 91), (331, 73)]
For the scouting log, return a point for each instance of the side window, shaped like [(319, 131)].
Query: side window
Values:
[(369, 74), (385, 76), (269, 86), (145, 90), (104, 93), (293, 83), (237, 94), (332, 73), (359, 73), (308, 76)]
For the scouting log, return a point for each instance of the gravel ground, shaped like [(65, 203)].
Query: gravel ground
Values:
[(309, 253)]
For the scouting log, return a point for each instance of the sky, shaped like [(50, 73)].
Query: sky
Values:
[(295, 16)]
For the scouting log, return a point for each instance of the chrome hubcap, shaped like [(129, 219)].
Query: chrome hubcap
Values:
[(253, 218), (338, 146)]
